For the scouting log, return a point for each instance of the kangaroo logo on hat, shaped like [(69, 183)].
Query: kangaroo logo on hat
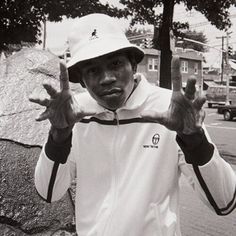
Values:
[(94, 34)]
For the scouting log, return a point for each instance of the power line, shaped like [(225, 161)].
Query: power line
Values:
[(218, 45), (206, 22), (140, 36)]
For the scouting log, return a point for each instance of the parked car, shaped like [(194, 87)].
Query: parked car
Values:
[(216, 95), (228, 111)]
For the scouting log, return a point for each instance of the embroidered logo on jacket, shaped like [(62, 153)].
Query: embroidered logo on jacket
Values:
[(155, 140)]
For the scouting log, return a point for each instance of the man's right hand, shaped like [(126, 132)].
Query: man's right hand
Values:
[(62, 110)]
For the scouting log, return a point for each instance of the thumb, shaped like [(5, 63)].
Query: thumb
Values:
[(88, 113), (153, 116), (80, 114)]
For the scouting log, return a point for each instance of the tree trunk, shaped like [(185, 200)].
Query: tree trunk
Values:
[(164, 37)]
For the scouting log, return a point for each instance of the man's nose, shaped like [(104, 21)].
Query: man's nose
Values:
[(107, 78)]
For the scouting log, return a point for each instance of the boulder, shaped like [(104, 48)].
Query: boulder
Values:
[(22, 210)]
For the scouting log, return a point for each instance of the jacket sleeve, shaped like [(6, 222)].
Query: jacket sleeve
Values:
[(53, 178), (214, 182)]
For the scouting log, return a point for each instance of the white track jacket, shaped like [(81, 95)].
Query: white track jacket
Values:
[(128, 171)]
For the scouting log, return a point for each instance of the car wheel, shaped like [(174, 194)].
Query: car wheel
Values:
[(227, 115)]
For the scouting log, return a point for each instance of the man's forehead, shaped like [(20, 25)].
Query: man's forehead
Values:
[(107, 57)]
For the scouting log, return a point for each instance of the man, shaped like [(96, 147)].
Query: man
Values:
[(123, 140)]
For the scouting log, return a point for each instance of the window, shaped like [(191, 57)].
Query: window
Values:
[(195, 68), (184, 66), (155, 63), (152, 64)]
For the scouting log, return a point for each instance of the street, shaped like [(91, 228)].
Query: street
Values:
[(196, 218), (223, 133)]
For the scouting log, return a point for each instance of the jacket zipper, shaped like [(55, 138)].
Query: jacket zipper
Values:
[(114, 175)]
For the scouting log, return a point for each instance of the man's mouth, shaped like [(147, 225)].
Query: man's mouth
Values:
[(110, 92)]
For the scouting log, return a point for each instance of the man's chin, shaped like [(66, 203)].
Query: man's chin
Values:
[(112, 106)]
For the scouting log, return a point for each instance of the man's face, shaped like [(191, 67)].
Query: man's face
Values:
[(109, 79)]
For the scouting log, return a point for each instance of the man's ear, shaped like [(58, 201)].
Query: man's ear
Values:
[(133, 64), (134, 67), (82, 82), (132, 60)]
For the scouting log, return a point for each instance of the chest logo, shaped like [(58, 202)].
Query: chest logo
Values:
[(154, 141)]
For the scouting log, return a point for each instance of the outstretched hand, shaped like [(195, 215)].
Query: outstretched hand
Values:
[(185, 114), (62, 109)]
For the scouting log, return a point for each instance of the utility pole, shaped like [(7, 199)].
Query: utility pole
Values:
[(44, 34), (227, 67), (222, 57)]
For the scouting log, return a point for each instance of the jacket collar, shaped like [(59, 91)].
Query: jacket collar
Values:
[(139, 95)]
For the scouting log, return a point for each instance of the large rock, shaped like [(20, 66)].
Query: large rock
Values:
[(22, 211), (22, 75)]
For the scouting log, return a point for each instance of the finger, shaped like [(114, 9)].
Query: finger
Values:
[(64, 77), (44, 116), (190, 88), (42, 102), (200, 118), (154, 116), (176, 77), (199, 102), (50, 90)]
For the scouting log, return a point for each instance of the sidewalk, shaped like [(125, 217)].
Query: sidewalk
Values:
[(198, 220)]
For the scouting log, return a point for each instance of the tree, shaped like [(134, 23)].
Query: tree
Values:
[(21, 20), (143, 11), (197, 36)]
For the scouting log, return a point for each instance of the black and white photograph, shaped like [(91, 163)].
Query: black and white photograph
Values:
[(117, 118)]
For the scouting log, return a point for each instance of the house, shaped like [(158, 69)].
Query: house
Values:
[(191, 64), (214, 74), (150, 65)]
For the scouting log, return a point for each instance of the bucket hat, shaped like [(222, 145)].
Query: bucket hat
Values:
[(95, 35)]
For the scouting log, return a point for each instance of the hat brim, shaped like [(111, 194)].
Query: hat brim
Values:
[(101, 48)]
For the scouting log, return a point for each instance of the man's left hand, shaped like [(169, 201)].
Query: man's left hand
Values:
[(185, 114)]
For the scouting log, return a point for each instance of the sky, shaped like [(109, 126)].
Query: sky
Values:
[(57, 32)]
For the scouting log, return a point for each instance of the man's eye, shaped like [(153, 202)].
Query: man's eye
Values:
[(92, 70), (117, 63)]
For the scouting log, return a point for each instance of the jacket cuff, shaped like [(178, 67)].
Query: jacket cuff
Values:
[(58, 152), (196, 148)]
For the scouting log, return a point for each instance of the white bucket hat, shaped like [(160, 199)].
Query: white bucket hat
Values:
[(95, 35)]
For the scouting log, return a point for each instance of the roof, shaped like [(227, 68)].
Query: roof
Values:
[(151, 51), (192, 55), (210, 83)]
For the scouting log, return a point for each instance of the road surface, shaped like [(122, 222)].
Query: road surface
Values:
[(223, 134)]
